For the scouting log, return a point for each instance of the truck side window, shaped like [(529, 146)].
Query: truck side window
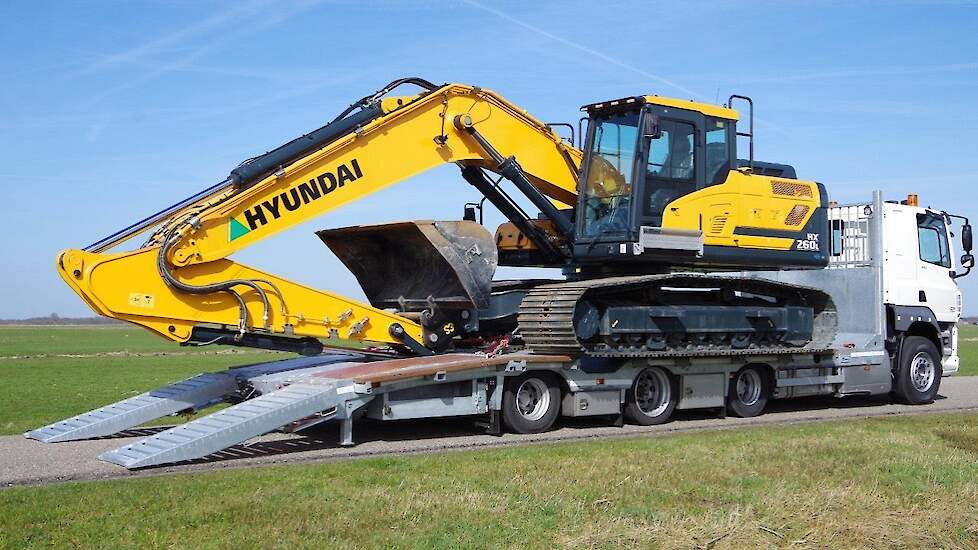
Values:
[(717, 152), (932, 240)]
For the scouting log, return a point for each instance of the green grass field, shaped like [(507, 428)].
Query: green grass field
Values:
[(897, 482), (44, 390), (84, 340), (879, 483), (51, 373), (968, 346)]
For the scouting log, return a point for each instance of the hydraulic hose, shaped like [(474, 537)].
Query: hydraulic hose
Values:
[(366, 100), (254, 169), (225, 286)]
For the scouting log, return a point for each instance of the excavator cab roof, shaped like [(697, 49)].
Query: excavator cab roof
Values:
[(687, 104)]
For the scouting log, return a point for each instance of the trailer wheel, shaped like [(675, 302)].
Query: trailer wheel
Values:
[(652, 398), (749, 391), (531, 403), (918, 375)]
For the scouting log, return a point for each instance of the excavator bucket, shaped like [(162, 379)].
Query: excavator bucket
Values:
[(406, 265)]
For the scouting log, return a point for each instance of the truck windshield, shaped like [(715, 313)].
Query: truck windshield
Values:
[(609, 177)]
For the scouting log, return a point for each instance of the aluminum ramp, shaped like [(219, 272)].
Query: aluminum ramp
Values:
[(252, 418), (194, 393)]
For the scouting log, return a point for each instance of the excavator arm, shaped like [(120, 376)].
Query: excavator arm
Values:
[(182, 285)]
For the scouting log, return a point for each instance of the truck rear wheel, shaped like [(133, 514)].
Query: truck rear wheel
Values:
[(652, 398), (531, 403), (749, 391), (918, 375)]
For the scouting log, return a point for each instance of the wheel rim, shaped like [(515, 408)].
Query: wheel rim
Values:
[(749, 387), (922, 371), (652, 392), (533, 399)]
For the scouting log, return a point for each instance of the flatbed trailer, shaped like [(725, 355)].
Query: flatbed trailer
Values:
[(878, 344)]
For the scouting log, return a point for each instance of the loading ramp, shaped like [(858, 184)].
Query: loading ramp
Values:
[(233, 425), (288, 395), (194, 393)]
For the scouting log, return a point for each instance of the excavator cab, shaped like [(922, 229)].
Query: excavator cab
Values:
[(661, 186)]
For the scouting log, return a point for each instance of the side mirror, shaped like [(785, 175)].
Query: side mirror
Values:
[(967, 261), (651, 129), (966, 237)]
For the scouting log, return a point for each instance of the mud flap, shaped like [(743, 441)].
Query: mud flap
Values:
[(411, 265)]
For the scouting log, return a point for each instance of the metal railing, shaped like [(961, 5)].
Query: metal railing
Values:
[(849, 236)]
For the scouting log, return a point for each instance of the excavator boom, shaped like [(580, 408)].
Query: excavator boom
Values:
[(182, 285)]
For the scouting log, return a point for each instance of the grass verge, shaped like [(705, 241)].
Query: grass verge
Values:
[(878, 483), (968, 350)]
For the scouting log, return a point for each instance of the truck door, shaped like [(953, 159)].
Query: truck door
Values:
[(936, 288)]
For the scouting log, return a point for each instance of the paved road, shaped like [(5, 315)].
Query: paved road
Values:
[(29, 462)]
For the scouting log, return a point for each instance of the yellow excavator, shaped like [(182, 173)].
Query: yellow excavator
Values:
[(654, 200)]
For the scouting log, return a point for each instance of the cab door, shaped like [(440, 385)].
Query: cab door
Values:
[(936, 288), (673, 163)]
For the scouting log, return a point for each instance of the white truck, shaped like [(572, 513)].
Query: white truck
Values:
[(889, 326)]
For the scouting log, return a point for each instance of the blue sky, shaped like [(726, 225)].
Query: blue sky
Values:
[(112, 109)]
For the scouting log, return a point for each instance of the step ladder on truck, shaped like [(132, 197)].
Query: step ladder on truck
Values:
[(889, 326)]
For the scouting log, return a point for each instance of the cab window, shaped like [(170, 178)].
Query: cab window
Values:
[(717, 151), (932, 240), (670, 168), (672, 155), (608, 188)]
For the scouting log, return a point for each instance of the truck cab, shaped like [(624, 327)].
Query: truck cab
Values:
[(919, 285), (912, 253)]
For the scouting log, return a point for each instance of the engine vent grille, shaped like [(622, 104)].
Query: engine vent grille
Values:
[(788, 189), (797, 215), (717, 223)]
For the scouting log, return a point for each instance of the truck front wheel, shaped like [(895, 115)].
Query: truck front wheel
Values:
[(918, 375), (531, 403)]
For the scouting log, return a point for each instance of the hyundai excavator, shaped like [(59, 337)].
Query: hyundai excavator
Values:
[(637, 219)]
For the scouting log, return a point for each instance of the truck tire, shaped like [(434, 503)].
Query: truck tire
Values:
[(748, 392), (917, 378), (652, 397), (531, 403)]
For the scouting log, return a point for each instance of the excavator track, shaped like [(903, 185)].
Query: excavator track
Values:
[(549, 315)]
